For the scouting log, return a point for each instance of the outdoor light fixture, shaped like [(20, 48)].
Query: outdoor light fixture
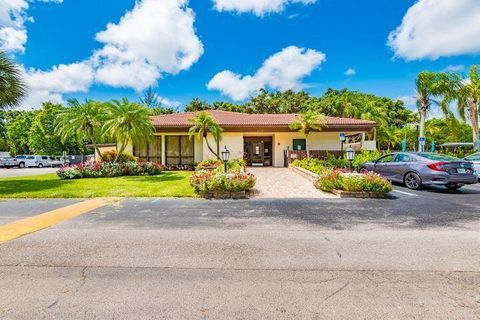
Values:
[(350, 156), (225, 157)]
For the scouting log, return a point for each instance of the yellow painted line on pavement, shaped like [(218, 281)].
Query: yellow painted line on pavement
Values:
[(32, 224)]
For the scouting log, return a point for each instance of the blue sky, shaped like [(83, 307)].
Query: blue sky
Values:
[(216, 49)]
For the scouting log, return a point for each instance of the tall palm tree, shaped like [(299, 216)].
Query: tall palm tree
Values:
[(466, 92), (12, 86), (306, 123), (428, 86), (82, 121), (202, 124), (127, 122)]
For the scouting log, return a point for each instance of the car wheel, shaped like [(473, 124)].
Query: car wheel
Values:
[(21, 165), (413, 181), (40, 165)]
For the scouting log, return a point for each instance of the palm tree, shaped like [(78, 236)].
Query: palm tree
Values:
[(83, 121), (127, 122), (429, 85), (202, 124), (306, 123), (12, 86), (466, 92)]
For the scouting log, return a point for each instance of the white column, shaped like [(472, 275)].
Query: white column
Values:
[(164, 152)]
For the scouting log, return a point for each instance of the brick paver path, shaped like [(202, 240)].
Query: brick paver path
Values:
[(284, 183)]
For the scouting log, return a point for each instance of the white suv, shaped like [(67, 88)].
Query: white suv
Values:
[(37, 161)]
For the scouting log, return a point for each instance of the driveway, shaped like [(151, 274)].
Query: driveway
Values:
[(252, 259), (16, 172), (283, 183)]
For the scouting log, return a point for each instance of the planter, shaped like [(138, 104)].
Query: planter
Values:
[(305, 173), (225, 195), (361, 194)]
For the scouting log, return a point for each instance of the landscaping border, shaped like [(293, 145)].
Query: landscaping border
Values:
[(305, 173)]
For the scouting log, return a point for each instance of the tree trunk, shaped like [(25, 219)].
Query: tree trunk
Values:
[(307, 148), (473, 110), (423, 116), (205, 136), (122, 149)]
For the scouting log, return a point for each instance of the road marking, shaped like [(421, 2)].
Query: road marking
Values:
[(32, 224), (406, 193)]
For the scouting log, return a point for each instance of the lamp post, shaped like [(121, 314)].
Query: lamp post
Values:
[(350, 156), (343, 138), (225, 157)]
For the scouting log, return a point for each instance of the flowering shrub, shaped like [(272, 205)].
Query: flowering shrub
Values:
[(318, 166), (204, 181), (233, 165), (311, 164), (353, 182), (107, 169), (211, 163)]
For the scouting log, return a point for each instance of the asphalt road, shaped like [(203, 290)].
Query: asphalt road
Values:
[(16, 172), (406, 257)]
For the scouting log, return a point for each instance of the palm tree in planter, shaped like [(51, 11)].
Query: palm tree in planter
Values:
[(203, 124), (310, 121), (12, 87), (127, 122), (466, 92), (83, 121), (429, 85)]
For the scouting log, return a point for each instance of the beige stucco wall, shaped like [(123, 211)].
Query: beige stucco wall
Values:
[(281, 140)]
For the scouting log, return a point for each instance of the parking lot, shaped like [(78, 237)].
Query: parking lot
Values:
[(16, 172)]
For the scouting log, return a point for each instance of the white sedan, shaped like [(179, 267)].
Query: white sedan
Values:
[(475, 158)]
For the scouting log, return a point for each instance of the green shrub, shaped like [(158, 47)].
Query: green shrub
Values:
[(205, 181), (311, 164), (210, 163), (353, 182), (109, 169), (366, 156), (109, 156)]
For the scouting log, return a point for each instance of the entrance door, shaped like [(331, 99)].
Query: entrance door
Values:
[(258, 151)]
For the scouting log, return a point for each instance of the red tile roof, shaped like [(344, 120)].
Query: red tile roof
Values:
[(236, 119)]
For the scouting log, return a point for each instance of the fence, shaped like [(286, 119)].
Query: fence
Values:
[(293, 155)]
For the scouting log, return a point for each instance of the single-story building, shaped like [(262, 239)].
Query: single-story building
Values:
[(261, 139)]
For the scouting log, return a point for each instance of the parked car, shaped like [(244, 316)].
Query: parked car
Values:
[(58, 162), (37, 161), (416, 169), (475, 159), (22, 161), (8, 162)]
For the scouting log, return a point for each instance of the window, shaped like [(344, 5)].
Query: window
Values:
[(437, 156), (386, 159), (299, 144), (403, 158), (179, 150), (149, 151)]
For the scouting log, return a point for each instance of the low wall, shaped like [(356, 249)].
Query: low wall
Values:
[(319, 154)]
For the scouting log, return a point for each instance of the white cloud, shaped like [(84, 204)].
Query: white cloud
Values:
[(410, 101), (258, 7), (155, 38), (283, 70), (13, 16), (350, 72), (50, 85), (454, 68), (436, 28)]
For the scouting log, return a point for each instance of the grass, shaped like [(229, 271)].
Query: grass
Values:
[(168, 184)]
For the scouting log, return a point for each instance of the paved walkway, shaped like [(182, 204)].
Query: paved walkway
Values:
[(284, 183)]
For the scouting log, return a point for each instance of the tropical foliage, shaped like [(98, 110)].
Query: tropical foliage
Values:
[(206, 181), (127, 122), (203, 124), (306, 123), (12, 86)]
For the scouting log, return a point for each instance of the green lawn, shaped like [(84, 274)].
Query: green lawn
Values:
[(168, 184)]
